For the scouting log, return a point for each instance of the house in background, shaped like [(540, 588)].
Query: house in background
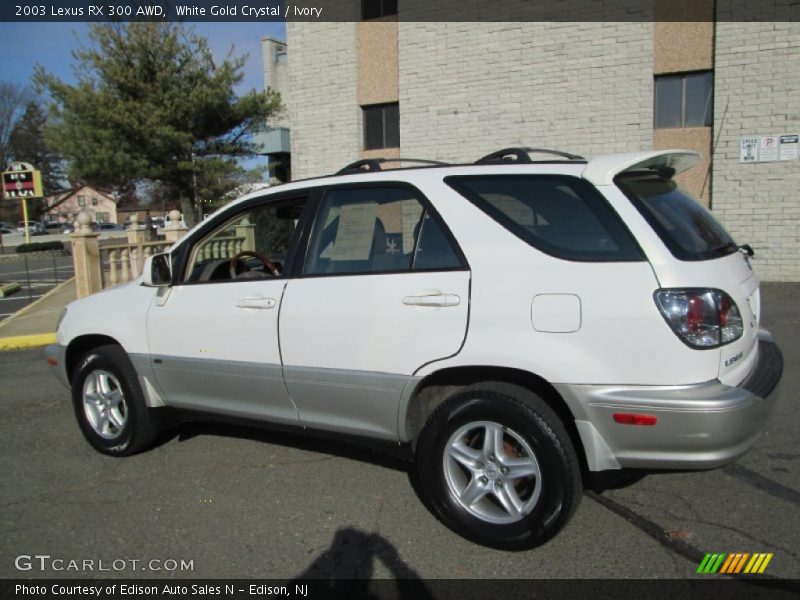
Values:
[(99, 203)]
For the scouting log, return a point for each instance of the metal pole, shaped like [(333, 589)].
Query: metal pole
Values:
[(55, 269), (25, 219)]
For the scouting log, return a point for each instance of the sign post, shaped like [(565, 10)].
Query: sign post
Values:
[(22, 181)]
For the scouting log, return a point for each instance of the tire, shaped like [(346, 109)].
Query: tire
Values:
[(471, 486), (109, 404)]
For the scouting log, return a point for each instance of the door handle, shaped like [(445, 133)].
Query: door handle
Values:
[(432, 299), (255, 301)]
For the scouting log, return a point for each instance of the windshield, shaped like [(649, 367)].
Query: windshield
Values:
[(686, 227)]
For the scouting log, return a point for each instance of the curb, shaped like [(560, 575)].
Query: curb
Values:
[(29, 307), (18, 342), (6, 289)]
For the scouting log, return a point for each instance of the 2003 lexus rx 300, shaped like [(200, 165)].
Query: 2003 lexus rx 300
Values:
[(515, 323)]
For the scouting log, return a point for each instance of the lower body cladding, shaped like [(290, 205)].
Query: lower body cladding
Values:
[(700, 426)]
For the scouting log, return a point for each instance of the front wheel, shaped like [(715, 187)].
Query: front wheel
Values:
[(109, 404), (497, 466)]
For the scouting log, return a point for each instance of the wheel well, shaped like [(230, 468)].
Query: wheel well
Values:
[(80, 346), (438, 386)]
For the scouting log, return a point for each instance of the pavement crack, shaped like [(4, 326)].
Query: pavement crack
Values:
[(765, 484)]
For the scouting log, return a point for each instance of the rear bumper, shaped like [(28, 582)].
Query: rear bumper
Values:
[(698, 427)]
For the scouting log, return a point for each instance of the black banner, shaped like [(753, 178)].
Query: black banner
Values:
[(412, 589), (407, 10)]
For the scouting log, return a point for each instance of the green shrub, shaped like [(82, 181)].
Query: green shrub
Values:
[(39, 247)]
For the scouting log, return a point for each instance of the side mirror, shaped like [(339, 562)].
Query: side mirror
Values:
[(157, 271)]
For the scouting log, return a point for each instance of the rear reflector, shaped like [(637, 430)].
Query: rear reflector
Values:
[(633, 419)]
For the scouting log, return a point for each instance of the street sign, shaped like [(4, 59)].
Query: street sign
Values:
[(22, 181)]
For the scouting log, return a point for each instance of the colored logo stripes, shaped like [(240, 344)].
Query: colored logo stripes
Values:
[(735, 563)]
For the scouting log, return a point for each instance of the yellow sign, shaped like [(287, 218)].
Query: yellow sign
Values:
[(22, 181)]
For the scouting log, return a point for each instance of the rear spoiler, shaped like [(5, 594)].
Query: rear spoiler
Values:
[(603, 169)]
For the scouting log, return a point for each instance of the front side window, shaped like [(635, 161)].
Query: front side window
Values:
[(563, 216), (683, 100), (381, 126), (376, 230), (685, 226), (254, 244)]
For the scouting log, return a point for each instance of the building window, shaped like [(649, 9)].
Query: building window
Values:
[(375, 9), (381, 126), (81, 200), (683, 100), (94, 201), (102, 217)]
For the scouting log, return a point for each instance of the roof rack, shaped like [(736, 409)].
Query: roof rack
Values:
[(521, 155), (369, 165)]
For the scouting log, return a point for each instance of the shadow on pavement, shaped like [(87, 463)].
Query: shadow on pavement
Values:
[(346, 568)]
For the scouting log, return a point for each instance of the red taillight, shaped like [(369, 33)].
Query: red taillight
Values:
[(702, 317), (724, 307), (694, 314), (634, 419)]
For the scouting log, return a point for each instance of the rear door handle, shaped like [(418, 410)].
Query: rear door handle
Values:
[(432, 299), (255, 301)]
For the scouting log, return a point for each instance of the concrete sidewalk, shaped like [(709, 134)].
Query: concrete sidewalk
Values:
[(35, 324)]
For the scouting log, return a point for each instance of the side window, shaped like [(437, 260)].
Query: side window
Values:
[(375, 230), (561, 216), (262, 235)]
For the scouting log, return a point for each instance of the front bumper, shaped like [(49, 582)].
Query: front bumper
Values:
[(55, 353), (698, 427)]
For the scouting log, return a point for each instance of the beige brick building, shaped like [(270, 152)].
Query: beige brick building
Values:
[(455, 91)]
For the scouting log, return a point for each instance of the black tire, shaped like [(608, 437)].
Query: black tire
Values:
[(523, 416), (138, 427)]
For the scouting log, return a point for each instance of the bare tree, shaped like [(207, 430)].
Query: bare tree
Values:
[(13, 98)]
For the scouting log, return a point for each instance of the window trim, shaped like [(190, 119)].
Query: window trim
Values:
[(427, 208), (382, 106), (682, 76), (454, 182)]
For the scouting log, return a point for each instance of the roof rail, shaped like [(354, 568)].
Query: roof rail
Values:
[(368, 165), (521, 155)]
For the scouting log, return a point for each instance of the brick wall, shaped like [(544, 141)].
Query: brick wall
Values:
[(321, 97), (469, 88), (757, 77)]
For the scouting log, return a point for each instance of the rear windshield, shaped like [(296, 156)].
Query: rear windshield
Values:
[(562, 216), (686, 227)]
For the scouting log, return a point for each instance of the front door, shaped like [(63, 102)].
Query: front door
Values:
[(384, 290), (214, 335)]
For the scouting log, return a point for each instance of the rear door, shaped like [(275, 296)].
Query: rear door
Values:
[(384, 290)]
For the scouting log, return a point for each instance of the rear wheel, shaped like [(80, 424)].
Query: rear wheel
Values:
[(497, 466), (109, 404)]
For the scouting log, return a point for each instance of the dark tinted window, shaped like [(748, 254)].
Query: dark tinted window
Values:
[(685, 226), (375, 9), (381, 126), (683, 100), (562, 216), (376, 230)]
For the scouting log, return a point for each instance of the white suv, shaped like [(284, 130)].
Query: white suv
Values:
[(514, 323)]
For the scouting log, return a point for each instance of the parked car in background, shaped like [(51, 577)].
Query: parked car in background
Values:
[(34, 228), (515, 325), (7, 227), (109, 227), (53, 226)]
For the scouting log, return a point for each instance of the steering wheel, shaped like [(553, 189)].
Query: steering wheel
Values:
[(268, 264)]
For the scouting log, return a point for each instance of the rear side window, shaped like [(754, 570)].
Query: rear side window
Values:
[(685, 226), (559, 215)]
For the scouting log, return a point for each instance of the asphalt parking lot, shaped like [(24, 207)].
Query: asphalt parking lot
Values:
[(40, 276), (241, 502)]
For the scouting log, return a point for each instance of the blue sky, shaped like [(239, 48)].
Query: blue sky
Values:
[(23, 45)]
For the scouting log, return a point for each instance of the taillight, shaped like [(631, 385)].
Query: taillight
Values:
[(703, 318)]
